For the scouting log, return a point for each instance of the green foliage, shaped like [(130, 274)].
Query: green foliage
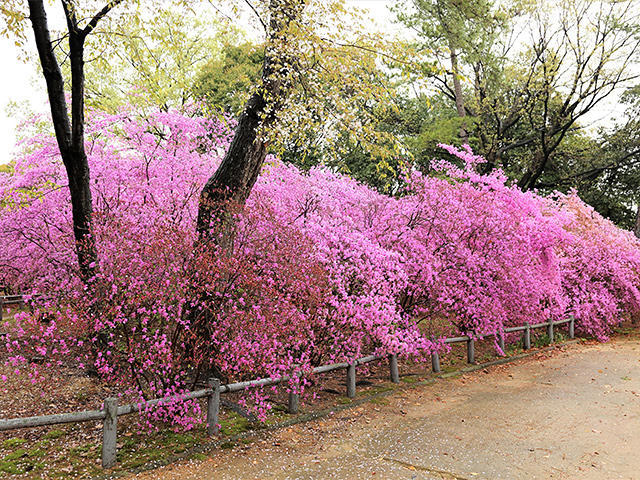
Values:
[(152, 58), (21, 461), (340, 93), (520, 110), (226, 82), (12, 20), (7, 168), (606, 170), (451, 25)]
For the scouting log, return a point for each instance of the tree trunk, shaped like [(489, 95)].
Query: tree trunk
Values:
[(636, 229), (70, 138), (231, 184), (457, 89), (529, 179), (233, 180)]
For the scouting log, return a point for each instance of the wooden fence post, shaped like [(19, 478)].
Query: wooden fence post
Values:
[(571, 327), (471, 350), (294, 402), (435, 362), (527, 337), (393, 368), (1, 307), (109, 432), (213, 407), (550, 331), (351, 380), (501, 341)]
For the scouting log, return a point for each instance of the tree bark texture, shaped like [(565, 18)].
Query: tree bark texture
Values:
[(70, 137), (457, 89), (232, 182)]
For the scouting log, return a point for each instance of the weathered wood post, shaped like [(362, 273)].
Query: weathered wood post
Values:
[(435, 362), (527, 337), (501, 341), (471, 350), (572, 326), (550, 331), (294, 402), (213, 407), (1, 307), (351, 380), (394, 373), (109, 432)]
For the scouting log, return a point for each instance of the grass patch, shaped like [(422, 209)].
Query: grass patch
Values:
[(22, 461), (53, 434), (378, 390), (84, 450), (140, 449), (11, 468), (409, 379), (234, 424), (13, 442), (15, 455), (542, 340)]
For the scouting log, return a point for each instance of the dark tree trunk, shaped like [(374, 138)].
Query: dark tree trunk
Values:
[(70, 137), (232, 182), (457, 89), (532, 175), (636, 229)]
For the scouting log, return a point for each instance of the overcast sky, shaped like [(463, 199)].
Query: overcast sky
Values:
[(19, 83)]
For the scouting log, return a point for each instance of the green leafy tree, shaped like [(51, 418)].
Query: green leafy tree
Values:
[(457, 32), (606, 169), (320, 79), (226, 82), (340, 91), (152, 58), (523, 99)]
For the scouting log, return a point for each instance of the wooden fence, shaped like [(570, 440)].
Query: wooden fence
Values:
[(111, 410), (10, 300), (7, 300)]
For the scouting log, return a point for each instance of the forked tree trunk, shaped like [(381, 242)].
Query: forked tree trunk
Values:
[(70, 137)]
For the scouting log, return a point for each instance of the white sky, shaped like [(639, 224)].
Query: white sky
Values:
[(21, 84), (15, 85)]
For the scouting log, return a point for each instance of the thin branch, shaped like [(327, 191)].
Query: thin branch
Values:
[(264, 25), (99, 16)]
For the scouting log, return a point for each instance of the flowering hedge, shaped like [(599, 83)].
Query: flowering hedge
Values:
[(322, 268)]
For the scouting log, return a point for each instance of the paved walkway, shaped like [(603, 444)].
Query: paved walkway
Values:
[(571, 414)]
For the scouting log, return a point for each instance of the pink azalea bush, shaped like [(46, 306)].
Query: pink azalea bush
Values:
[(322, 268)]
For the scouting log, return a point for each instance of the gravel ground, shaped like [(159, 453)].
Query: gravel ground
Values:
[(572, 413)]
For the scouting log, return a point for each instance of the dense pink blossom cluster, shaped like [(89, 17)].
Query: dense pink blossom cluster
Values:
[(322, 267)]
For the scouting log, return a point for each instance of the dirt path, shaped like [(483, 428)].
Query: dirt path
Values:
[(573, 414)]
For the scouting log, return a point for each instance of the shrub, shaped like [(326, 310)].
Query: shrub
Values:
[(322, 268)]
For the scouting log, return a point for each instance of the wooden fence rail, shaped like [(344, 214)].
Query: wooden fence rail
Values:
[(111, 410), (20, 300)]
